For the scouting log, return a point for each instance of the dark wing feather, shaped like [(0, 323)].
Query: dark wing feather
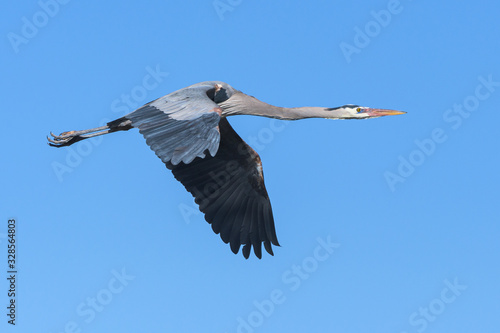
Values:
[(180, 126), (229, 188)]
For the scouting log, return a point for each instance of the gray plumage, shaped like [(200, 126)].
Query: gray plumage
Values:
[(189, 132)]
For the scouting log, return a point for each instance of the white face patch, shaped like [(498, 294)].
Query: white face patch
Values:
[(354, 113)]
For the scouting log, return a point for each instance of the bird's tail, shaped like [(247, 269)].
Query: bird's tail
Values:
[(120, 124)]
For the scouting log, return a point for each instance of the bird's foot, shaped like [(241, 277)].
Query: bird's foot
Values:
[(68, 138), (65, 134), (63, 139)]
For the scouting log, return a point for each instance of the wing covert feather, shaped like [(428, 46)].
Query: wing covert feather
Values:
[(181, 126)]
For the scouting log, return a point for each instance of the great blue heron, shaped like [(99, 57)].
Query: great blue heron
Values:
[(189, 132)]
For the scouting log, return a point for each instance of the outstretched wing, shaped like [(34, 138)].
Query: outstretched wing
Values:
[(229, 188), (180, 126)]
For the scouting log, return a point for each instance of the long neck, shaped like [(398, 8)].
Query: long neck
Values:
[(242, 104)]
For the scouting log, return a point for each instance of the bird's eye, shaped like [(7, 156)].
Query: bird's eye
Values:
[(358, 110)]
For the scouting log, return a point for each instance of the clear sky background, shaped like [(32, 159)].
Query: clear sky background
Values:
[(108, 241)]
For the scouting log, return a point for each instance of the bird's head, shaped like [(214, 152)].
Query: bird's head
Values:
[(351, 111)]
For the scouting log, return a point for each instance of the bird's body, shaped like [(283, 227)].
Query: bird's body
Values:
[(189, 132)]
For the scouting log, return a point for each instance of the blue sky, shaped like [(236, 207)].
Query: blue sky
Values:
[(386, 225)]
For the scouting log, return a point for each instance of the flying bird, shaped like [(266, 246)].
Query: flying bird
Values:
[(189, 131)]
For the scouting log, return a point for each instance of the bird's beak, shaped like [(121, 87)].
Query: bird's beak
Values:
[(384, 112)]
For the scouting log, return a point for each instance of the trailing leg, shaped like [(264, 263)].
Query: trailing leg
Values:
[(68, 138)]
